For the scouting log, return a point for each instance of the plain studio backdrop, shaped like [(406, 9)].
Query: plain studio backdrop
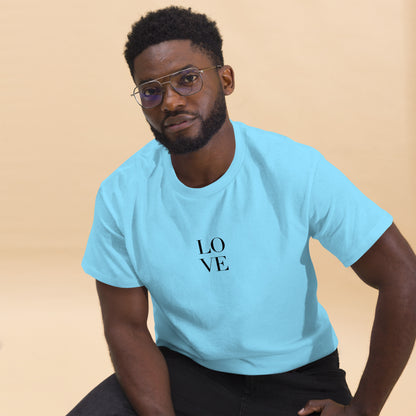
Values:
[(337, 75)]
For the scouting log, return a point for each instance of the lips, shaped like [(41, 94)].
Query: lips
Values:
[(179, 122)]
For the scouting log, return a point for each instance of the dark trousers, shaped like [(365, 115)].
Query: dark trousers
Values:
[(199, 391)]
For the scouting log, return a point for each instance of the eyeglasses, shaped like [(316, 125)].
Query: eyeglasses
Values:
[(185, 82)]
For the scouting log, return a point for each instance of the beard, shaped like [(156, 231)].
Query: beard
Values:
[(183, 144)]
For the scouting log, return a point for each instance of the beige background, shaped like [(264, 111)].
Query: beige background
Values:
[(334, 74)]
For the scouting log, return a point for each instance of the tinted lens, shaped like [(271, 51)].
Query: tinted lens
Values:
[(187, 82), (151, 94)]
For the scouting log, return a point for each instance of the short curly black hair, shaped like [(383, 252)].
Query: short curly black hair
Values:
[(172, 23)]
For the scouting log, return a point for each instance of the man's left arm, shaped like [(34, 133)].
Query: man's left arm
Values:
[(390, 267)]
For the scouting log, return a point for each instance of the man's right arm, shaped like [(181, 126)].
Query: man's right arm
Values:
[(139, 365)]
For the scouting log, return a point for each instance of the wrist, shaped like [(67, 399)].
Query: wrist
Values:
[(363, 409)]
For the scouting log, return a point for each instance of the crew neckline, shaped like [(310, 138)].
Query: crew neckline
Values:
[(213, 187)]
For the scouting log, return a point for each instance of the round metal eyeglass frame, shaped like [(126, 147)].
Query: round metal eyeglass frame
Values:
[(137, 90)]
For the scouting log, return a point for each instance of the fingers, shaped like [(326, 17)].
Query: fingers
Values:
[(314, 406)]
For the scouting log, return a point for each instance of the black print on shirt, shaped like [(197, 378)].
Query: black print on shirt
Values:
[(211, 263)]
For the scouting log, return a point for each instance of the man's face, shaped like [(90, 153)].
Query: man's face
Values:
[(182, 124)]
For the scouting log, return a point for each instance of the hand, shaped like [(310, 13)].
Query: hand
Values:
[(327, 408)]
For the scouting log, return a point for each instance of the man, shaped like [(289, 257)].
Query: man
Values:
[(213, 219)]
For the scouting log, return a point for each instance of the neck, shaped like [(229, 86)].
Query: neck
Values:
[(206, 165)]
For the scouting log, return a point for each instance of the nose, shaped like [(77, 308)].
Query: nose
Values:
[(171, 100)]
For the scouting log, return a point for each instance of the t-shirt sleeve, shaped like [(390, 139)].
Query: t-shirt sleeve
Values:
[(342, 218), (106, 257)]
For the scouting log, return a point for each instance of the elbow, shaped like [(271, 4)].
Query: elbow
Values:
[(125, 333)]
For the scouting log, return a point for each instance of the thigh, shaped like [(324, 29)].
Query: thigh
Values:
[(285, 394), (107, 399), (195, 390), (199, 391)]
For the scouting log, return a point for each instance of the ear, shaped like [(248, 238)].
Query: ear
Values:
[(226, 74)]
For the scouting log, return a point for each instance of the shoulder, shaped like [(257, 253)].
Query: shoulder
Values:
[(134, 171), (271, 148)]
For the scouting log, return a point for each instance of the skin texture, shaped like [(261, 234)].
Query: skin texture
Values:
[(389, 266), (138, 363), (206, 165), (209, 126)]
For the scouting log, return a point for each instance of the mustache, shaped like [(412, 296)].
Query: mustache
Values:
[(178, 113)]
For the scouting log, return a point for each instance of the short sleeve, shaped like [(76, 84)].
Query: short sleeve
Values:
[(106, 257), (342, 218)]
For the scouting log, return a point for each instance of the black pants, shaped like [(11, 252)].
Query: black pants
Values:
[(198, 391)]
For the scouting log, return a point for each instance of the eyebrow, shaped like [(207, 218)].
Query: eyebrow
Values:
[(164, 76)]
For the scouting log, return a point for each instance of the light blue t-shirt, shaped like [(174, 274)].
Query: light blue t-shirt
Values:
[(228, 265)]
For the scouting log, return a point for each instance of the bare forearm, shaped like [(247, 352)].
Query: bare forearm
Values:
[(389, 266), (392, 340), (142, 372)]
